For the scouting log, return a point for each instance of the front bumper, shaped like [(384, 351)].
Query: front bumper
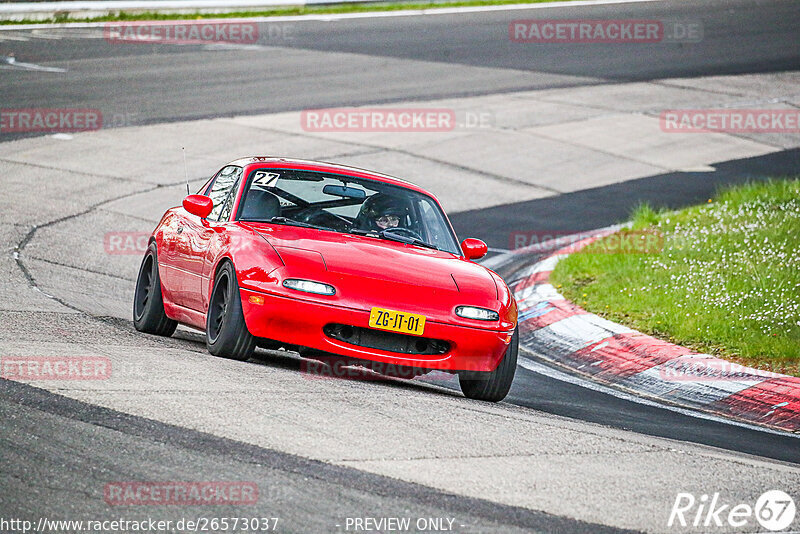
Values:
[(300, 322)]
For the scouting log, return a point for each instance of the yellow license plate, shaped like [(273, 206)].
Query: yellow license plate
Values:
[(407, 323)]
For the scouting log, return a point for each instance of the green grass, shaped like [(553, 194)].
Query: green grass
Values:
[(276, 12), (727, 281)]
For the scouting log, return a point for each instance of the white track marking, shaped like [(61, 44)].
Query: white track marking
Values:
[(42, 34), (9, 62), (372, 14), (221, 47)]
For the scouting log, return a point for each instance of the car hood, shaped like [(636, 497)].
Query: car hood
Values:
[(373, 271)]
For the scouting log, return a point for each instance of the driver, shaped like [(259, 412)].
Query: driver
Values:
[(382, 211)]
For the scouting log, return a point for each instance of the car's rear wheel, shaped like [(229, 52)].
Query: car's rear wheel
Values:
[(493, 386), (226, 332), (148, 303)]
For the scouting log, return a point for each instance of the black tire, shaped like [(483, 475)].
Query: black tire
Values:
[(148, 302), (227, 335), (493, 386)]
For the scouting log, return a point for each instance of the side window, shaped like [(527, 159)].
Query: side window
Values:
[(225, 214), (222, 192)]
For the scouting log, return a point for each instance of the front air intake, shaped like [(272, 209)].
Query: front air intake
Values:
[(388, 341)]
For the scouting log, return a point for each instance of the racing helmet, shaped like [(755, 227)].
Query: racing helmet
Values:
[(383, 206)]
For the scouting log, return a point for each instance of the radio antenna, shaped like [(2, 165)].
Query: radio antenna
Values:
[(185, 170)]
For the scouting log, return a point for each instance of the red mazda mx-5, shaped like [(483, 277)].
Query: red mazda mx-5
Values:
[(332, 260)]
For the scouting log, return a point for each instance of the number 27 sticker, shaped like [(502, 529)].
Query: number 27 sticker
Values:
[(265, 179)]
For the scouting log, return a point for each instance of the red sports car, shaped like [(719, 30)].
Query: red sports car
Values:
[(329, 260)]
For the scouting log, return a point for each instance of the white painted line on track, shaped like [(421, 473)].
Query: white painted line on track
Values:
[(39, 34), (9, 62), (331, 17)]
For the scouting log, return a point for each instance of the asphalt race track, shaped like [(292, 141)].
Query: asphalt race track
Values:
[(557, 456), (363, 61)]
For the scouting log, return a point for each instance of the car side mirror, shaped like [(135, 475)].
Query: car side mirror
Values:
[(198, 205), (474, 249)]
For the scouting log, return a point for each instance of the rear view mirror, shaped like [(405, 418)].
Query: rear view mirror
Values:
[(198, 205), (344, 191)]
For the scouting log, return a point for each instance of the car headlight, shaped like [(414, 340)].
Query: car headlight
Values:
[(307, 286), (479, 314)]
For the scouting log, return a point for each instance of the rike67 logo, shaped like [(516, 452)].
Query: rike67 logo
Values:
[(774, 510)]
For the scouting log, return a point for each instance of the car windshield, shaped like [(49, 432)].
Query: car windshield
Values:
[(346, 204)]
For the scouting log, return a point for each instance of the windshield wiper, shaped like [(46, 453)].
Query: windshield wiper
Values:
[(359, 231), (288, 222), (391, 236), (292, 222), (384, 234), (407, 239)]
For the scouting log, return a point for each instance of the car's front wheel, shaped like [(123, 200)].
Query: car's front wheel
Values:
[(226, 332), (148, 303), (492, 386)]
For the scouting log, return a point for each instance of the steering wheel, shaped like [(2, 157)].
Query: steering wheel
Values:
[(321, 217), (404, 231)]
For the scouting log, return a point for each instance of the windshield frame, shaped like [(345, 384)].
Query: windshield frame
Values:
[(244, 189)]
